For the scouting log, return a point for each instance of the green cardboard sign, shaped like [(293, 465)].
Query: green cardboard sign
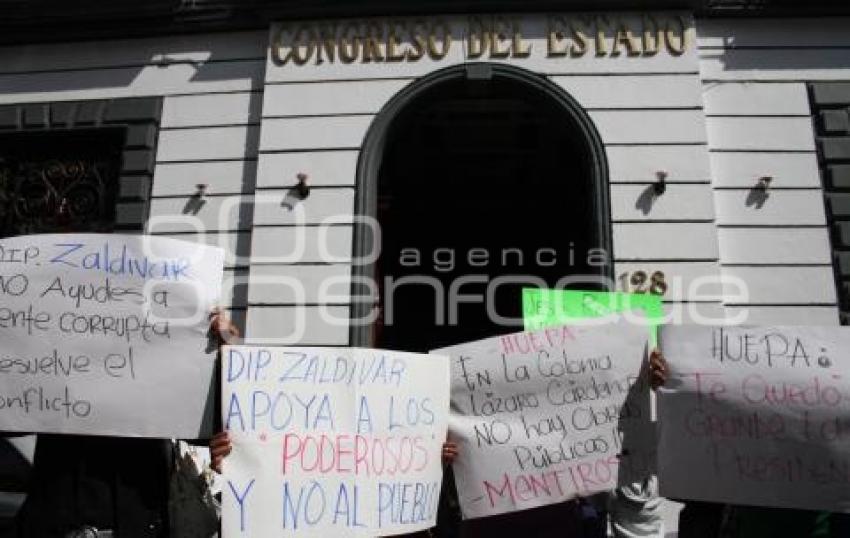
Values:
[(545, 308)]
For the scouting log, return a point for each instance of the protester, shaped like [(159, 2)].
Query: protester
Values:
[(696, 519), (635, 509), (89, 487)]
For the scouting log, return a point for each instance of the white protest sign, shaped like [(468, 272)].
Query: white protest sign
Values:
[(756, 416), (107, 334), (546, 416), (332, 441)]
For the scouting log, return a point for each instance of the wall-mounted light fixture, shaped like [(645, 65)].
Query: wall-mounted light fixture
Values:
[(301, 187), (660, 186)]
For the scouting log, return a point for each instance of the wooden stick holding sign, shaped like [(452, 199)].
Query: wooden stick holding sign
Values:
[(756, 416), (332, 441), (107, 335), (550, 415)]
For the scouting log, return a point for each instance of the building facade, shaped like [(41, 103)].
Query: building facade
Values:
[(744, 121)]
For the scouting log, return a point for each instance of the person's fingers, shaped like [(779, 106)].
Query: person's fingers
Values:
[(657, 364), (222, 450), (232, 331), (227, 330), (449, 455), (216, 462), (220, 445), (223, 328), (657, 379), (220, 437), (215, 325), (225, 443), (218, 457)]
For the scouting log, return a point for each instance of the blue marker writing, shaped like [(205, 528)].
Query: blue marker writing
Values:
[(241, 500)]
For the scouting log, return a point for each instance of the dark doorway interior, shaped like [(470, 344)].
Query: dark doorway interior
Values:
[(470, 167)]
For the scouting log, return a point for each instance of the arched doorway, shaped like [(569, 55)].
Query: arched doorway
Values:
[(483, 178)]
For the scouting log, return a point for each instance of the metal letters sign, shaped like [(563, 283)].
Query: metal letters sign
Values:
[(482, 38)]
